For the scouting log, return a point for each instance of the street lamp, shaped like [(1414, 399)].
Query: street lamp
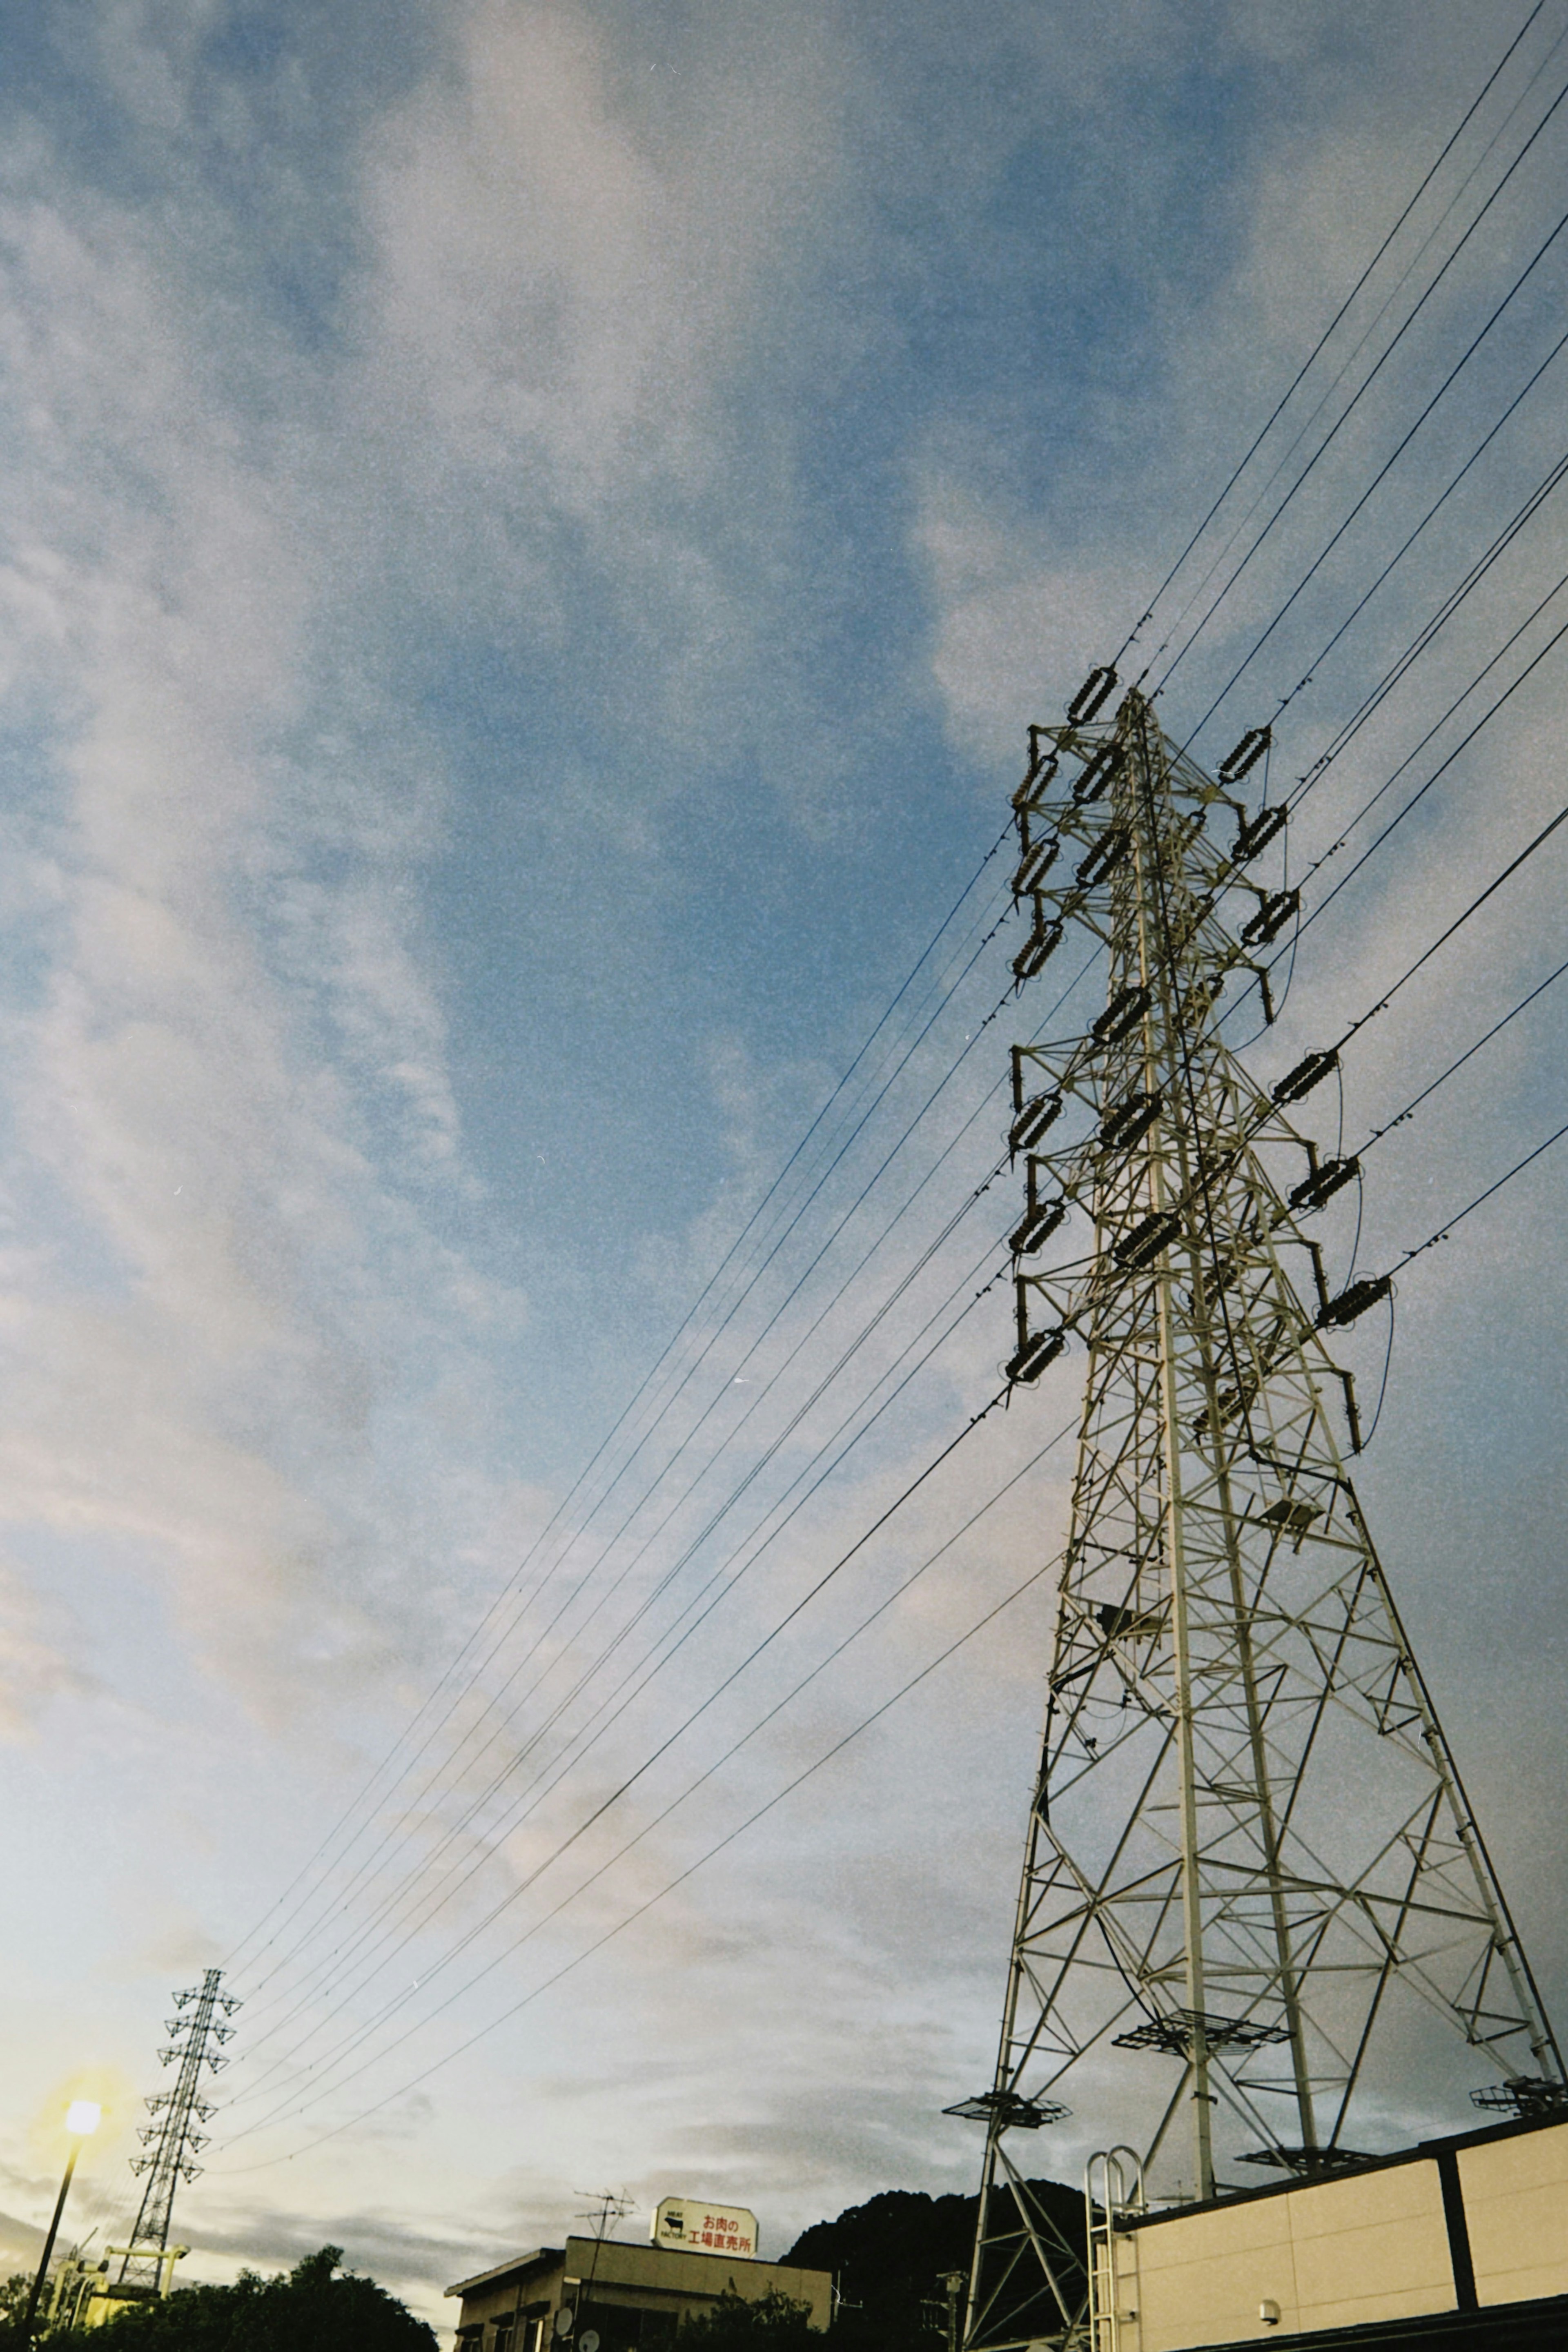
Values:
[(81, 2120)]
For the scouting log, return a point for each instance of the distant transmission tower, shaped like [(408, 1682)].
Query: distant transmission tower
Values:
[(1250, 1865), (172, 2137)]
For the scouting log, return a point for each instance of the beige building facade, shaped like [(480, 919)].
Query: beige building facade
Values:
[(626, 2298), (1467, 2227)]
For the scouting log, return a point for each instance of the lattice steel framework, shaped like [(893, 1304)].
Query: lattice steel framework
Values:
[(1250, 1851), (172, 2137)]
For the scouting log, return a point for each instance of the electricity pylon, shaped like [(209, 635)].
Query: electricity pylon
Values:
[(172, 2137), (1249, 1856)]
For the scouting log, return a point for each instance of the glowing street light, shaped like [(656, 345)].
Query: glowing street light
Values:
[(82, 2117)]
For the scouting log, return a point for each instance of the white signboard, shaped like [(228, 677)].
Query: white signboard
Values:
[(704, 2229)]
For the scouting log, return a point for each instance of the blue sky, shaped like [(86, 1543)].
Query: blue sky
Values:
[(534, 534)]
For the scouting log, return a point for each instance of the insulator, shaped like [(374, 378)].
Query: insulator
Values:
[(1324, 1182), (1090, 696), (1305, 1075), (1038, 951), (1147, 1238), (1271, 917), (1038, 779), (1355, 1300), (1255, 833), (1105, 856), (1120, 1016), (1129, 1121), (1034, 864), (1040, 1222), (1246, 754), (1107, 764), (1033, 1121), (1041, 1348)]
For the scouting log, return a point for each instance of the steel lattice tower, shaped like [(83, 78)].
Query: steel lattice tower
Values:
[(174, 2138), (1249, 1856)]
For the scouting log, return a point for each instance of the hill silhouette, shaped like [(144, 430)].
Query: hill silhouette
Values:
[(888, 2255)]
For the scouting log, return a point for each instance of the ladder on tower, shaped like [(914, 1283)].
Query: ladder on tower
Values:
[(1113, 2189)]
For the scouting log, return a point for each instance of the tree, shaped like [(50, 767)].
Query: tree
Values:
[(772, 2323), (309, 2310), (14, 2296), (889, 2257)]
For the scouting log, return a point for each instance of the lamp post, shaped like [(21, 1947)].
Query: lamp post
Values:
[(81, 2120)]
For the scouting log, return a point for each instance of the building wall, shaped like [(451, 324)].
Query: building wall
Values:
[(1334, 2255), (634, 2296), (1516, 2213), (1386, 2243)]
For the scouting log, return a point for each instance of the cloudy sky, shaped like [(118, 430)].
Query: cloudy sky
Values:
[(532, 534)]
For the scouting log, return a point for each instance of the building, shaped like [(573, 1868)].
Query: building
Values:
[(624, 2297), (1456, 2243)]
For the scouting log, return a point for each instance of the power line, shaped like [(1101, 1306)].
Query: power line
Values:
[(1365, 387), (647, 1382), (946, 1232), (1384, 470), (564, 1846), (1329, 331), (729, 1838), (691, 1434), (1444, 1076)]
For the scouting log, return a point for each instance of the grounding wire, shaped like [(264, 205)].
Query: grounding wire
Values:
[(609, 1439)]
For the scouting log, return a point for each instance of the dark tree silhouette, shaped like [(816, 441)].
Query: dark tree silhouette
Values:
[(309, 2310)]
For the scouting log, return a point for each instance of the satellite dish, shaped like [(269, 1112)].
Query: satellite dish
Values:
[(566, 2320), (589, 2340)]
